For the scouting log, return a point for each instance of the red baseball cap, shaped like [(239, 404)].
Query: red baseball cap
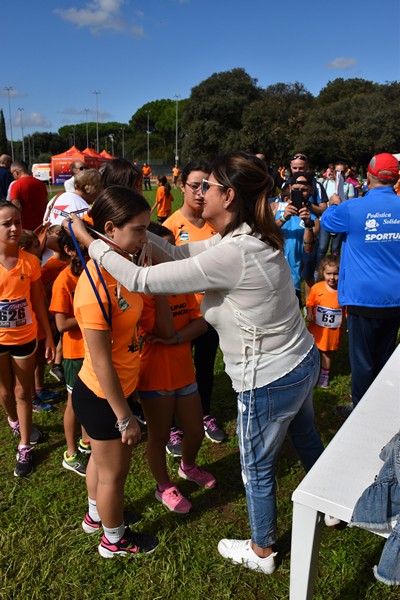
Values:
[(384, 166)]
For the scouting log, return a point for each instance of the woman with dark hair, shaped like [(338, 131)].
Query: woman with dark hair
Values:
[(102, 396), (249, 298)]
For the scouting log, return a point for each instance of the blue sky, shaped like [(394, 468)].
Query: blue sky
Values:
[(57, 53)]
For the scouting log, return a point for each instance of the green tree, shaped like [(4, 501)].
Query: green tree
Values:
[(3, 136), (272, 123), (212, 116), (360, 119)]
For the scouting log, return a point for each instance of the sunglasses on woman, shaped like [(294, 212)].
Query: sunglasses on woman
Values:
[(205, 185)]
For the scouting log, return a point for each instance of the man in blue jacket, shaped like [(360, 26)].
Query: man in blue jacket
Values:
[(369, 276)]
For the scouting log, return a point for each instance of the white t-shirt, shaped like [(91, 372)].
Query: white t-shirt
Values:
[(66, 202)]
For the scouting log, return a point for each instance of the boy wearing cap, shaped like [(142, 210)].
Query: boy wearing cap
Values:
[(369, 275)]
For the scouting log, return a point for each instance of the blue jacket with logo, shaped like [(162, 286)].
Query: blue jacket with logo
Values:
[(370, 261)]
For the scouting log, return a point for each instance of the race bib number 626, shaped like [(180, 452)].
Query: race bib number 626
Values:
[(15, 314)]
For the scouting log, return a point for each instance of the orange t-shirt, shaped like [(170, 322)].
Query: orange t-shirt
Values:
[(165, 367), (18, 323), (325, 338), (163, 199), (175, 171), (126, 309), (51, 269), (62, 301), (184, 231), (146, 171)]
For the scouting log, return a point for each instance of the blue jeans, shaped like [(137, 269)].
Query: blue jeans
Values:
[(265, 415), (324, 239)]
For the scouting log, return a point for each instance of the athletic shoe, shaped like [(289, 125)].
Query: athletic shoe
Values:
[(24, 466), (323, 381), (84, 448), (174, 445), (331, 521), (241, 553), (344, 411), (137, 412), (91, 526), (173, 500), (212, 431), (57, 372), (39, 406), (76, 462), (46, 395), (196, 474), (35, 437), (129, 545)]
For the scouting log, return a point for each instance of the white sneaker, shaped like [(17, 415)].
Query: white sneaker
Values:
[(241, 552), (331, 521)]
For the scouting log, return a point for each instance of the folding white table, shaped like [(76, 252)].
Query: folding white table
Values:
[(346, 468)]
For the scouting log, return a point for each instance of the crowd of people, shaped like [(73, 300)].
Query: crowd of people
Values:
[(268, 269)]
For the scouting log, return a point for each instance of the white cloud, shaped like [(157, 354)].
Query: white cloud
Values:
[(33, 120), (100, 15), (104, 116), (13, 93), (343, 63)]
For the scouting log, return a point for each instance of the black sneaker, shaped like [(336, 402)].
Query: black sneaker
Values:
[(24, 466), (57, 372), (344, 411), (76, 462), (129, 545), (174, 445), (212, 431), (137, 412)]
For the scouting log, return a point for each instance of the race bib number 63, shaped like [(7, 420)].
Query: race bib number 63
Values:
[(328, 317)]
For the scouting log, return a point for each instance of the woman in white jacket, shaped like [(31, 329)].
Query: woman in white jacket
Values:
[(250, 300)]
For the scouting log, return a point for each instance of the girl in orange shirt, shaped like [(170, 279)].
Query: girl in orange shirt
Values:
[(163, 199), (21, 305), (325, 315), (171, 389), (102, 396)]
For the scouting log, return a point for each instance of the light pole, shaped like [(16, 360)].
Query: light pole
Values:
[(21, 112), (86, 110), (148, 138), (123, 142), (97, 119), (8, 90), (111, 136), (177, 96)]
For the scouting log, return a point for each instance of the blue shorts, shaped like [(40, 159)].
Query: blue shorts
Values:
[(186, 390)]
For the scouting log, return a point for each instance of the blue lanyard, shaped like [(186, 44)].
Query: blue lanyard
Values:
[(107, 317)]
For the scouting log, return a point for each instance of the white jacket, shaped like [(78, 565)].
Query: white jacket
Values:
[(249, 298)]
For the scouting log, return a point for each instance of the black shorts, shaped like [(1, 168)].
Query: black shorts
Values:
[(23, 351), (94, 413)]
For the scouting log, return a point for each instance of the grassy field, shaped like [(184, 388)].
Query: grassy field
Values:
[(44, 553)]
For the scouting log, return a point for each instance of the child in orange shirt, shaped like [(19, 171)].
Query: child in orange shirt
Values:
[(325, 315), (163, 199), (62, 306), (171, 389), (21, 305)]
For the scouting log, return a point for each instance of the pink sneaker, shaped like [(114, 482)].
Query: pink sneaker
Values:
[(196, 474), (173, 500)]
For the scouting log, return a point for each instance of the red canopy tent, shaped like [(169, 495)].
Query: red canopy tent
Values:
[(93, 159), (107, 155), (61, 164)]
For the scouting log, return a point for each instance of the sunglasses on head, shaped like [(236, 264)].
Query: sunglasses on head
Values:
[(205, 185), (300, 156)]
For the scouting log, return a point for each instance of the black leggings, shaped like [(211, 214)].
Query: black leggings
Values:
[(205, 350)]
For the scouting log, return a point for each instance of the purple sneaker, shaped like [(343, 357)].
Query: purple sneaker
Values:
[(212, 431)]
